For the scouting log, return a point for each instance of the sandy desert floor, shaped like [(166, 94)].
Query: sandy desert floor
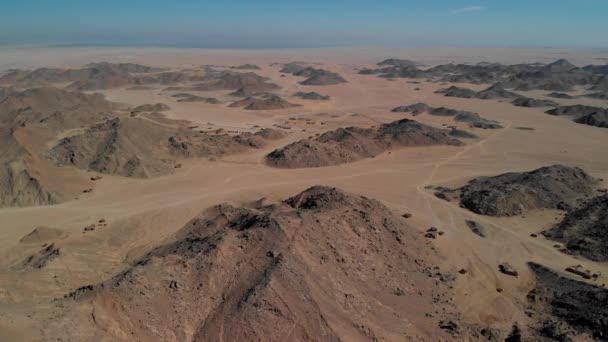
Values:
[(143, 213)]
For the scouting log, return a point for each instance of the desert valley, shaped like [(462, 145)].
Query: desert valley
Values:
[(303, 195)]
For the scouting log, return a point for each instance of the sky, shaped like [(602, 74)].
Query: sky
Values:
[(306, 23)]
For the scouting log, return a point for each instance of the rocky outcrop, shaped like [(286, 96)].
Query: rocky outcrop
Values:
[(350, 144)]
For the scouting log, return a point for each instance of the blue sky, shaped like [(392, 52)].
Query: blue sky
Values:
[(306, 23)]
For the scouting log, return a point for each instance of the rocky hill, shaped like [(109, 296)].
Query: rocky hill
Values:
[(515, 193), (322, 265), (269, 102), (584, 230), (586, 115), (350, 144), (473, 119), (38, 113)]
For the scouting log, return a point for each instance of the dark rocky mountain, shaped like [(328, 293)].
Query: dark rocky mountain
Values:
[(515, 193), (269, 271), (587, 115), (350, 144), (563, 308), (533, 103), (584, 230)]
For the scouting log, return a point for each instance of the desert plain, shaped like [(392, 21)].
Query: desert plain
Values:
[(215, 215)]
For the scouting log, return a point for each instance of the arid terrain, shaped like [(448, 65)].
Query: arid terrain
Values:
[(303, 195)]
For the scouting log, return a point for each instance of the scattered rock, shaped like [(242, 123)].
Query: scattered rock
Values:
[(476, 228), (47, 254), (89, 228), (506, 268)]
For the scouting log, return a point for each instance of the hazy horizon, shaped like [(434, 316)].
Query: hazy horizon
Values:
[(314, 24)]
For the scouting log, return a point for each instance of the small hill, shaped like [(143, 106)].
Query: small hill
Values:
[(291, 270), (601, 85), (126, 67), (415, 109), (533, 103), (150, 108), (170, 78), (185, 97), (461, 134), (19, 187), (398, 62), (93, 76), (474, 119), (246, 82), (147, 145), (560, 75), (311, 96), (102, 76), (196, 144), (516, 193), (350, 144), (54, 107), (598, 96), (319, 77), (236, 80), (586, 115), (560, 65), (41, 113), (560, 95), (246, 67), (597, 69), (247, 92), (41, 235), (129, 147), (271, 102), (454, 91), (292, 68), (496, 91), (584, 230)]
